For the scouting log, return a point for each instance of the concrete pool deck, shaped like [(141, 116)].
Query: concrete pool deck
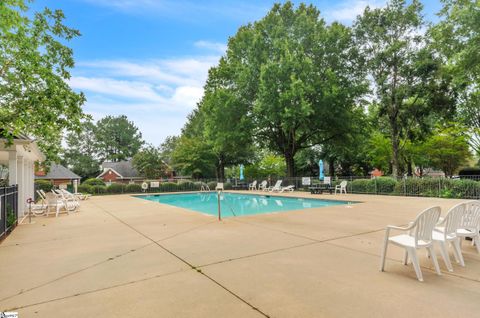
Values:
[(121, 256)]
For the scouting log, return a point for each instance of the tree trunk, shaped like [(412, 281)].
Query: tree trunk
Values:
[(331, 167), (221, 171), (395, 148), (290, 162), (409, 168)]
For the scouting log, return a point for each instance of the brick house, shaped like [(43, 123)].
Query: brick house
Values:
[(119, 172), (58, 175)]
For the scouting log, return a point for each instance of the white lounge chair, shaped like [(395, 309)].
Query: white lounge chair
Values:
[(446, 232), (277, 187), (288, 188), (342, 187), (70, 200), (253, 185), (419, 235), (263, 185), (219, 186), (470, 223), (52, 200)]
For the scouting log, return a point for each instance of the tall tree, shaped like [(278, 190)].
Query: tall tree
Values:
[(404, 70), (117, 138), (35, 98), (227, 126), (149, 163), (168, 147), (457, 38), (448, 149), (81, 153), (297, 76)]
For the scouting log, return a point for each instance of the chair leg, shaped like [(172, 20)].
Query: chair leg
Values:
[(445, 256), (384, 252), (434, 260), (476, 239), (458, 251), (416, 265), (405, 257)]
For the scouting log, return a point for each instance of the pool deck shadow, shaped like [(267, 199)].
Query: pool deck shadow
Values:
[(123, 256)]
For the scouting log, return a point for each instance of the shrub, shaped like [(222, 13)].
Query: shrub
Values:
[(168, 187), (187, 186), (133, 188), (99, 189), (116, 188), (212, 185), (94, 182), (227, 186), (85, 188), (44, 185), (385, 184), (362, 186), (465, 189)]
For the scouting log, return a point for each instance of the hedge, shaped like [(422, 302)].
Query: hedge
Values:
[(133, 188), (93, 182), (116, 188), (85, 188), (44, 185)]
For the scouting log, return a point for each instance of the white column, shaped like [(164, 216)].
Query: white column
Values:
[(12, 167), (21, 185)]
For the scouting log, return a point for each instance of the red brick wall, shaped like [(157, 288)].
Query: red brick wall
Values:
[(110, 176)]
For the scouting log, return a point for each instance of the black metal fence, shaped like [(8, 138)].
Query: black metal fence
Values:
[(467, 187), (8, 209)]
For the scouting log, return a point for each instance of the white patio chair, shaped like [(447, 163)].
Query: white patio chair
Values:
[(263, 185), (52, 201), (342, 187), (253, 185), (446, 232), (219, 186), (470, 223), (419, 235), (277, 187), (71, 201), (288, 188)]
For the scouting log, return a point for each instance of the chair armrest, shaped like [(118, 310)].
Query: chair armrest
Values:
[(394, 227)]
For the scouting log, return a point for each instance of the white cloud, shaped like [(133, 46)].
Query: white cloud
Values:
[(213, 46), (156, 94), (348, 11)]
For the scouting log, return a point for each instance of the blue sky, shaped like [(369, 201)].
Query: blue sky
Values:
[(148, 59)]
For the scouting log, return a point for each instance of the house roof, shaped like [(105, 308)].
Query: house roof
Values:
[(124, 168), (58, 171)]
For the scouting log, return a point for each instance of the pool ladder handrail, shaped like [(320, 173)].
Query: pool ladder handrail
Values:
[(204, 188)]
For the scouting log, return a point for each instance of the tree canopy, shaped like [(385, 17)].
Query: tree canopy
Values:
[(35, 63)]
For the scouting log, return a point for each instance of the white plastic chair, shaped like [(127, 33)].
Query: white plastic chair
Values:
[(219, 186), (446, 232), (253, 185), (263, 185), (290, 188), (342, 187), (419, 235), (277, 187), (470, 223)]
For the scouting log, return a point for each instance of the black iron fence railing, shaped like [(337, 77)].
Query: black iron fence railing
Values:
[(8, 209), (467, 187)]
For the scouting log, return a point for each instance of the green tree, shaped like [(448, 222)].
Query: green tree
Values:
[(80, 154), (168, 147), (298, 78), (192, 156), (149, 163), (448, 149), (36, 99), (406, 73), (117, 138), (457, 38), (227, 127)]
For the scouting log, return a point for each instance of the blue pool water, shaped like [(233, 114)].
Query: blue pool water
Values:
[(236, 204)]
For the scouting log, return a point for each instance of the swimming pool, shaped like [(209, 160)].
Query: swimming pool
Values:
[(237, 204)]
